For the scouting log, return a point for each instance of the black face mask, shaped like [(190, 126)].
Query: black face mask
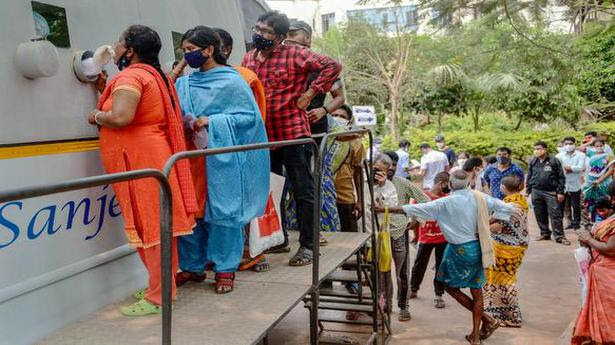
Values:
[(261, 43), (446, 189), (123, 61)]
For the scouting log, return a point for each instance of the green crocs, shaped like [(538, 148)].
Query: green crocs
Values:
[(140, 294), (141, 308)]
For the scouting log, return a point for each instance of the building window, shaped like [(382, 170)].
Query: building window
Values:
[(50, 23), (178, 52), (328, 21), (411, 18), (385, 21)]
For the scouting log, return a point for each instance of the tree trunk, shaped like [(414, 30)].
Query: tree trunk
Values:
[(476, 119), (518, 123), (393, 119), (440, 122)]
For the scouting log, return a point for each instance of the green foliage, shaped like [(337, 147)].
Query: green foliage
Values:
[(496, 132)]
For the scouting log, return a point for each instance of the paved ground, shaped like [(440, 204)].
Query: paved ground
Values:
[(549, 297)]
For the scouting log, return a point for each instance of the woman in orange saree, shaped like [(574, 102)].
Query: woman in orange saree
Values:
[(141, 127), (596, 321)]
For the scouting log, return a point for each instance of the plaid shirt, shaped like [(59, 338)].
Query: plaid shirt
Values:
[(285, 75)]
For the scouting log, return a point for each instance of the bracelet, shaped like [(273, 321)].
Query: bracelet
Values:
[(96, 118), (325, 108)]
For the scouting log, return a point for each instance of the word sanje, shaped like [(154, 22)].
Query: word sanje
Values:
[(53, 218)]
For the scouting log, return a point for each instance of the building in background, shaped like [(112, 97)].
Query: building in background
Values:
[(324, 14)]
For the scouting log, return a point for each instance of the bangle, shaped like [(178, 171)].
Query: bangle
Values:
[(96, 118), (325, 108)]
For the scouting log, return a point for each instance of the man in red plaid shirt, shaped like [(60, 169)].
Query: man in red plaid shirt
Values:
[(284, 71)]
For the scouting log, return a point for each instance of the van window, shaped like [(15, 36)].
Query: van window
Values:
[(50, 23)]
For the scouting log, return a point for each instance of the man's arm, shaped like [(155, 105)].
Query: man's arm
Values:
[(499, 209), (426, 211), (415, 192), (328, 69), (530, 172), (561, 177), (579, 165)]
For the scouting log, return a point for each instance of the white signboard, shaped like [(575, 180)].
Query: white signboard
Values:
[(364, 115)]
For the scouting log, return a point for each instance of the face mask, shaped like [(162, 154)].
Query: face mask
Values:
[(261, 43), (195, 59), (599, 149), (446, 189), (569, 148), (503, 160), (461, 162), (123, 62)]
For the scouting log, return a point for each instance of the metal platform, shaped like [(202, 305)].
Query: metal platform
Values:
[(258, 303)]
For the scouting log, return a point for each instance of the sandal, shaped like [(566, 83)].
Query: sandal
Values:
[(563, 241), (323, 241), (488, 330), (139, 294), (141, 308), (469, 339), (438, 302), (284, 248), (183, 277), (404, 315), (224, 282), (302, 258), (261, 267)]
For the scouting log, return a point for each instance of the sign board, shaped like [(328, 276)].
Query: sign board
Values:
[(364, 115)]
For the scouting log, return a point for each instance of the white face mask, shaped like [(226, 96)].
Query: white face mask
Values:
[(461, 161), (569, 148)]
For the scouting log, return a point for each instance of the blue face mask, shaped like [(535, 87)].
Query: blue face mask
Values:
[(503, 160), (195, 59)]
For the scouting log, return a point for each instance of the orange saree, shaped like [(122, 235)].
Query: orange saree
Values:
[(596, 321)]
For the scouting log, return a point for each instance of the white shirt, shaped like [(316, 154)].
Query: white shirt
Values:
[(457, 214), (385, 196), (434, 162), (577, 162), (402, 164)]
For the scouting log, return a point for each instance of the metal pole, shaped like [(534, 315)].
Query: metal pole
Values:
[(166, 254)]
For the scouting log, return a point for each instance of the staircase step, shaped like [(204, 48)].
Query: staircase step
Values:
[(344, 276), (344, 300), (342, 319), (342, 307), (340, 291)]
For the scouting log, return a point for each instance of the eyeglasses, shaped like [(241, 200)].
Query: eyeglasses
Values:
[(257, 29)]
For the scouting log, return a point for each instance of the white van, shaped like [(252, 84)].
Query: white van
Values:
[(64, 256)]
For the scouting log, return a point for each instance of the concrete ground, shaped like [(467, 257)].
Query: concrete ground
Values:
[(549, 297)]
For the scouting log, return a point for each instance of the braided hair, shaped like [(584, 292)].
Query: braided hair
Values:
[(146, 44), (203, 37)]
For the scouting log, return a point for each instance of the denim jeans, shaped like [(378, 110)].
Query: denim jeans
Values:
[(296, 161)]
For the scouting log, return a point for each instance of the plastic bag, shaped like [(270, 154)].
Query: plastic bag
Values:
[(383, 241), (266, 231), (583, 257)]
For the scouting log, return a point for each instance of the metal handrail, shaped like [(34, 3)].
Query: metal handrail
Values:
[(167, 242), (166, 218)]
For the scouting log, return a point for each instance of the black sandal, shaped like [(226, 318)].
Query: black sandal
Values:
[(303, 257)]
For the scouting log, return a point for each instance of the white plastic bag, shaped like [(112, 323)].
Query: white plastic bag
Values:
[(582, 256), (257, 240)]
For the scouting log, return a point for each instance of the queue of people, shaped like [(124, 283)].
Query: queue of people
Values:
[(472, 214)]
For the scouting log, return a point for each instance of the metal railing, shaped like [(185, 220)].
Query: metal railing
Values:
[(167, 242), (166, 209), (166, 217)]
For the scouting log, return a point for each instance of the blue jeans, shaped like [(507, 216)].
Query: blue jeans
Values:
[(211, 243)]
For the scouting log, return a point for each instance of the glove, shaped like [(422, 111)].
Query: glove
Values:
[(103, 55)]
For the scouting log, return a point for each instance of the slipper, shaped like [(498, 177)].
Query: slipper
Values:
[(323, 241), (404, 315), (141, 308), (489, 330), (469, 339), (278, 250), (302, 258), (139, 294)]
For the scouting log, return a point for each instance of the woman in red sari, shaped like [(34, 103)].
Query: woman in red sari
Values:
[(141, 127), (596, 321)]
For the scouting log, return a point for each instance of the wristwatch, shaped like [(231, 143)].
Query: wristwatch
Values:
[(325, 108)]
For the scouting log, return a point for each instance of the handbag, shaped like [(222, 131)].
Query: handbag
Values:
[(383, 242)]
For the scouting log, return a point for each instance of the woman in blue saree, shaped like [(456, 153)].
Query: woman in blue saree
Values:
[(216, 99), (598, 177)]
